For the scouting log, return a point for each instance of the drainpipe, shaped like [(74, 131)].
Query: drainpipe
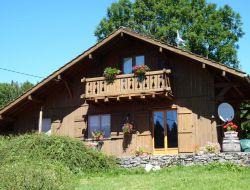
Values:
[(40, 122)]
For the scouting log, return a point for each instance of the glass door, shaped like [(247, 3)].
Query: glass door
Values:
[(165, 132)]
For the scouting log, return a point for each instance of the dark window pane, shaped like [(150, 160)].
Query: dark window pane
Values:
[(93, 124), (105, 125), (172, 129), (139, 60), (127, 65), (159, 129)]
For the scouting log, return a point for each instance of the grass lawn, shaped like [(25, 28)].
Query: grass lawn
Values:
[(198, 177)]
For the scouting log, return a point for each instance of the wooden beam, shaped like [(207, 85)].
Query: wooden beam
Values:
[(59, 77), (33, 99), (223, 73), (236, 89), (220, 96), (142, 97), (83, 80), (68, 89)]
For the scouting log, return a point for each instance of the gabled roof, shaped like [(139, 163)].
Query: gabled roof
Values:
[(136, 35)]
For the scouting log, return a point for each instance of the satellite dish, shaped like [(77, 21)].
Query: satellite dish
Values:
[(226, 112)]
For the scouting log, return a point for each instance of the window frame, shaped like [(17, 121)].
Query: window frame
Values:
[(89, 135), (133, 61)]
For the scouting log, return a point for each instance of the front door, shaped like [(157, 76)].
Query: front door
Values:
[(165, 132)]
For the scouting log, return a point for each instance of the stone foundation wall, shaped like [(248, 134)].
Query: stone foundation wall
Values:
[(240, 158)]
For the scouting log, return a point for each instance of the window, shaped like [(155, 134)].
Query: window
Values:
[(139, 60), (99, 123), (46, 126), (127, 65), (129, 62)]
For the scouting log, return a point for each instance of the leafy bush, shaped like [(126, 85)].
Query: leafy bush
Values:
[(210, 148), (39, 161), (67, 151)]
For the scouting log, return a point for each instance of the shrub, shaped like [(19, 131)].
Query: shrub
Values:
[(210, 148), (67, 151)]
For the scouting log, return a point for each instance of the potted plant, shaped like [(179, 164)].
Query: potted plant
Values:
[(127, 128), (230, 128), (110, 74), (97, 135), (231, 141), (140, 71)]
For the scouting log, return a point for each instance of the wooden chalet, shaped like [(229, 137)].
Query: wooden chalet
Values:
[(173, 110)]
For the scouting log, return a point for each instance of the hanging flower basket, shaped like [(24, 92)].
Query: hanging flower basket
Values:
[(110, 74), (140, 72), (127, 128)]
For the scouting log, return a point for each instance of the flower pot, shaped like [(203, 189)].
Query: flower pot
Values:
[(231, 142), (229, 134)]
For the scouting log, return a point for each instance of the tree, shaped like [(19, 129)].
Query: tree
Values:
[(10, 91), (208, 31)]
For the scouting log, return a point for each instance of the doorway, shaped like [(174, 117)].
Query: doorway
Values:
[(165, 132)]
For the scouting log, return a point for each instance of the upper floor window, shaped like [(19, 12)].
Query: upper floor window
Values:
[(99, 123), (139, 60), (127, 65), (129, 62)]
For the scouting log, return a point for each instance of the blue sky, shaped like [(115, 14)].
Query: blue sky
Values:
[(38, 37)]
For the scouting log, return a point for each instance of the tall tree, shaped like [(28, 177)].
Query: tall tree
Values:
[(10, 91), (208, 31)]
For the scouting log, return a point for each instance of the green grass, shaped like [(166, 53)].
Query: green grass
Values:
[(37, 161), (216, 177)]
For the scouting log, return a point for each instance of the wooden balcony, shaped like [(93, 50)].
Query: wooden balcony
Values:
[(126, 86)]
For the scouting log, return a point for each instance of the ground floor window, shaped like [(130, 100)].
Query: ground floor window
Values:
[(99, 123), (46, 126)]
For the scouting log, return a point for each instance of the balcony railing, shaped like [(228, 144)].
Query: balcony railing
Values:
[(127, 85)]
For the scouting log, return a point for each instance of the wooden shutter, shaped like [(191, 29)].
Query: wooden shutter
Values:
[(185, 130)]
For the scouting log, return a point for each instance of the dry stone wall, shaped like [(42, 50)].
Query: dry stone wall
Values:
[(240, 158)]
